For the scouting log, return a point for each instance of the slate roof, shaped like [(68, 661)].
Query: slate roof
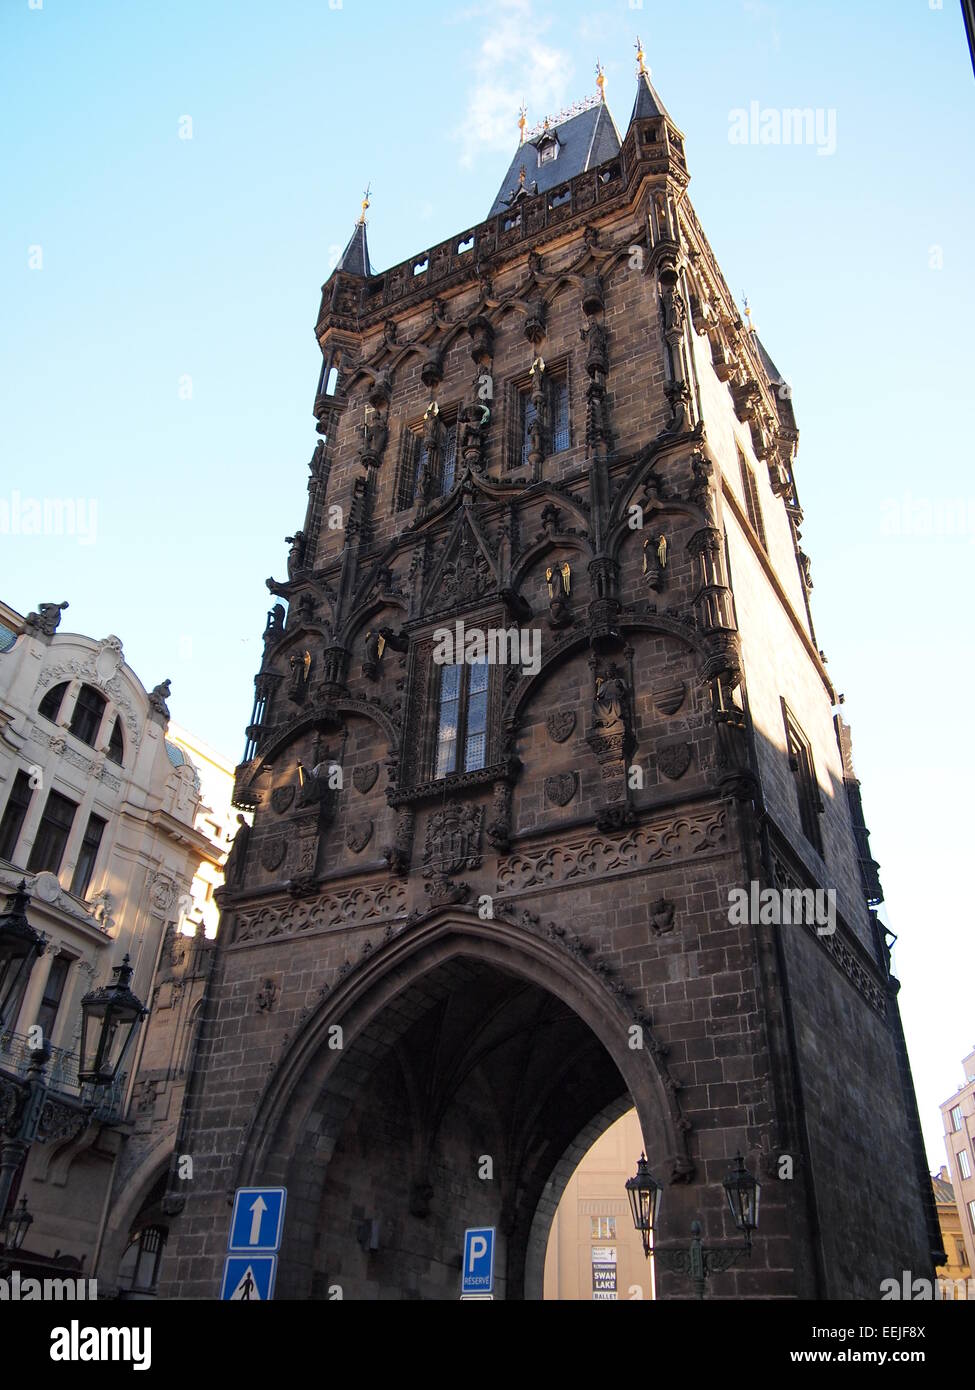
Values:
[(648, 101), (783, 403), (355, 258), (944, 1193), (585, 140)]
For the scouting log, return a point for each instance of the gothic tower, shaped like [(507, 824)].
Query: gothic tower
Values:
[(553, 812)]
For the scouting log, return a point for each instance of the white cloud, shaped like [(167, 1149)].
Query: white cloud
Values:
[(512, 65)]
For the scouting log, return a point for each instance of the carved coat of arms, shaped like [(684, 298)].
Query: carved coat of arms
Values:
[(454, 839), (364, 777), (282, 797), (561, 788), (272, 854), (358, 833), (674, 759), (560, 724)]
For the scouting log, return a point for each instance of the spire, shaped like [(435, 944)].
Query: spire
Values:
[(355, 258), (648, 103)]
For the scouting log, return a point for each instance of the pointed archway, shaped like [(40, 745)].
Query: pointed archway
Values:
[(439, 1086)]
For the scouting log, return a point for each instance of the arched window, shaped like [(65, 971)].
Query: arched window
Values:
[(87, 717), (116, 744), (50, 706)]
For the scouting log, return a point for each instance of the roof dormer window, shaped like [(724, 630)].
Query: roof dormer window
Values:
[(548, 149)]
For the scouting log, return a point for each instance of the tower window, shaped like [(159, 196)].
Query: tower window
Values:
[(15, 812), (47, 850), (88, 854), (462, 724), (87, 716), (807, 784), (557, 400), (50, 706), (749, 489), (956, 1118), (414, 457), (548, 151)]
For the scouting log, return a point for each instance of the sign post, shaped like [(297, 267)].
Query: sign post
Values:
[(477, 1270), (256, 1227)]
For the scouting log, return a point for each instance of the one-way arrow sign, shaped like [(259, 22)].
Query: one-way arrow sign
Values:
[(258, 1219)]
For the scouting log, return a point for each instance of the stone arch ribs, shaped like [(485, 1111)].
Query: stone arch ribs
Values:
[(303, 1112)]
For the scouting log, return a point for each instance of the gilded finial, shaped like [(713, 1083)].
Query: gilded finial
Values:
[(365, 204), (640, 55), (522, 121), (600, 80), (748, 314), (522, 175)]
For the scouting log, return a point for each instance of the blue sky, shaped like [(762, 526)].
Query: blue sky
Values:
[(171, 265)]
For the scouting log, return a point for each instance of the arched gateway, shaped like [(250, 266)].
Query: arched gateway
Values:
[(473, 1056), (551, 810)]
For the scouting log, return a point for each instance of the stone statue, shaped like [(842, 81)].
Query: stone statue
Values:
[(296, 555), (558, 578), (655, 562), (609, 706), (233, 869), (375, 646), (45, 622), (805, 564), (275, 624), (313, 784), (158, 696), (300, 664)]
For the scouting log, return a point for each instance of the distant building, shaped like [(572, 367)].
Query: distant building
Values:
[(956, 1271), (958, 1114), (968, 10), (103, 818), (594, 1253)]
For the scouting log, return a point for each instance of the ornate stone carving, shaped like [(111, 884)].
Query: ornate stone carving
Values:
[(453, 840), (499, 830), (400, 852), (273, 854), (653, 843), (266, 996), (560, 725), (358, 834), (158, 696), (375, 902), (669, 698), (282, 798), (662, 917), (558, 577), (674, 759), (561, 787), (364, 777)]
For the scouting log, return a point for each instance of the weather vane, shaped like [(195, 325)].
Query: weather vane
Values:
[(640, 55), (365, 203)]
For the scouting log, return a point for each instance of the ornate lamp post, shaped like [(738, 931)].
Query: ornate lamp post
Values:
[(696, 1261), (110, 1016)]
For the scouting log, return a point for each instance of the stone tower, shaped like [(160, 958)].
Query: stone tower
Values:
[(553, 814)]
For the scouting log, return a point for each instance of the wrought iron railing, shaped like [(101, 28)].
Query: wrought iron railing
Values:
[(62, 1074)]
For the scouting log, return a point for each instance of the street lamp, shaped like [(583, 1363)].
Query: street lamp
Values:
[(644, 1194), (696, 1261), (108, 1021), (16, 1227), (20, 945)]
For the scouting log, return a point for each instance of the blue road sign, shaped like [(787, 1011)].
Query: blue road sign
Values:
[(248, 1278), (477, 1275), (258, 1219)]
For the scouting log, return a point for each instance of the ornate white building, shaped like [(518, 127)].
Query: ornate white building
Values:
[(104, 817)]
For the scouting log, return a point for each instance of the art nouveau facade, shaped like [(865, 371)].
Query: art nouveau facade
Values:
[(99, 815)]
